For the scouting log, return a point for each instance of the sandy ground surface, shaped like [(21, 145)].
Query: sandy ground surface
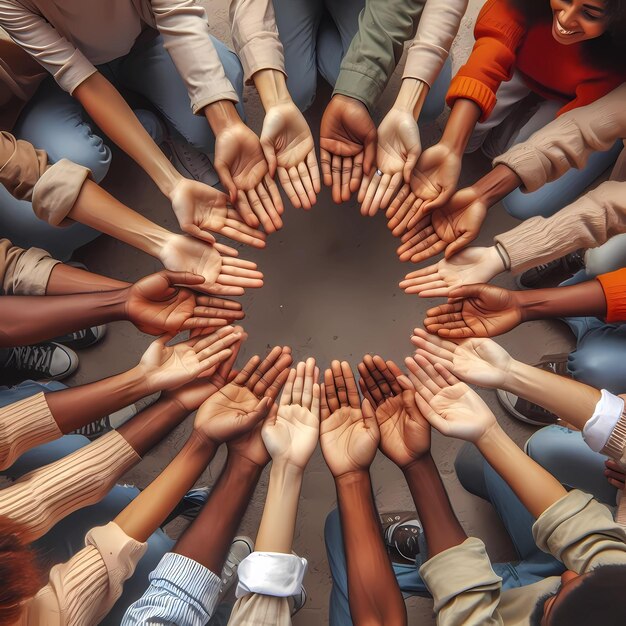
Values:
[(331, 292)]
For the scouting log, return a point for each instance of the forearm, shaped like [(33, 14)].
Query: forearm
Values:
[(496, 184), (278, 523), (97, 208), (207, 540), (74, 407), (460, 126), (152, 425), (148, 510), (66, 279), (573, 401), (374, 594), (111, 113), (536, 488), (272, 88), (27, 320), (221, 115), (584, 299), (441, 527), (411, 96)]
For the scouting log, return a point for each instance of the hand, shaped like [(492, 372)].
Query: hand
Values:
[(404, 433), (480, 311), (399, 147), (450, 228), (223, 274), (200, 209), (476, 361), (168, 367), (288, 146), (448, 404), (291, 433), (156, 306), (243, 170), (468, 267), (347, 145), (402, 211), (194, 393), (238, 406), (614, 473), (435, 176), (349, 432)]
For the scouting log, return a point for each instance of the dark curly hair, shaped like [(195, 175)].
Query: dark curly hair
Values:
[(607, 51)]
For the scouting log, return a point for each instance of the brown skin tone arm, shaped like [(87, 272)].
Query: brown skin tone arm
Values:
[(497, 184), (66, 279), (460, 126)]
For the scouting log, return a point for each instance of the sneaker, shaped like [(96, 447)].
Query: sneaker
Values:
[(553, 273), (190, 505), (188, 161), (298, 601), (401, 532), (529, 412), (93, 430), (43, 361), (240, 548), (82, 338)]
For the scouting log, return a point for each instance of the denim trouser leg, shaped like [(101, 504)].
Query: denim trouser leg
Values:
[(149, 71), (435, 101), (67, 537)]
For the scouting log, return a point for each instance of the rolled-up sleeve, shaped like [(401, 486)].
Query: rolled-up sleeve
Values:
[(57, 55), (186, 37), (182, 592), (24, 272)]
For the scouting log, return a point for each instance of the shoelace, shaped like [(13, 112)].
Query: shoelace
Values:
[(93, 428), (192, 162), (33, 358)]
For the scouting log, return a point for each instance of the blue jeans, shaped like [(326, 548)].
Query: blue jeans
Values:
[(478, 477), (316, 35), (56, 122), (67, 537)]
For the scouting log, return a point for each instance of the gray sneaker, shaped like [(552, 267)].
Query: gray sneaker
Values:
[(188, 161), (240, 548), (43, 361)]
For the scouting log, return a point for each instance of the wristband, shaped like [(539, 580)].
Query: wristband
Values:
[(271, 574)]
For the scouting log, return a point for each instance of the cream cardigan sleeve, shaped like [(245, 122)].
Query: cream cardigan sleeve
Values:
[(586, 223), (255, 36), (437, 29), (569, 141)]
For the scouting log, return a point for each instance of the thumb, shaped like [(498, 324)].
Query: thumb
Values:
[(465, 291), (270, 155), (260, 411), (409, 166), (458, 244), (227, 180), (368, 414), (198, 233), (182, 278), (369, 153)]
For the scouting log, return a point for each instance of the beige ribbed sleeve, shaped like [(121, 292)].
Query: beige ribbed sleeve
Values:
[(258, 610), (23, 273), (83, 590), (586, 223), (569, 141), (255, 36), (437, 29), (45, 496), (23, 425)]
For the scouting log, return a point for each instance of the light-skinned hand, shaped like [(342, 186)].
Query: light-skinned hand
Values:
[(349, 434), (448, 404), (468, 267), (475, 311), (289, 150), (291, 432), (347, 145), (404, 433), (399, 147)]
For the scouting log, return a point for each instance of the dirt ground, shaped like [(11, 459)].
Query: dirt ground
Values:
[(330, 292)]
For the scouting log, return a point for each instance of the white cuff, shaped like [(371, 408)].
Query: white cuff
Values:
[(601, 424), (271, 574)]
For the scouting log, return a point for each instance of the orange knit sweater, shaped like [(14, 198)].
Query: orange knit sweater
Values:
[(552, 70), (614, 286)]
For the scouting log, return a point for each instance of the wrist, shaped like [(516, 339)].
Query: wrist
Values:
[(286, 470), (496, 184), (354, 477), (221, 115), (492, 439), (411, 96), (200, 443), (422, 463), (496, 260), (242, 466), (460, 126), (532, 304), (272, 88)]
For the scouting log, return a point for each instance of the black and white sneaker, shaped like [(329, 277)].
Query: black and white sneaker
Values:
[(43, 361), (553, 273), (401, 532), (82, 338), (188, 161)]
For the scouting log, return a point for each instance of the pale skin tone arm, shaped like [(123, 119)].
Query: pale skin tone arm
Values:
[(290, 435), (456, 411), (287, 142), (399, 147), (349, 437)]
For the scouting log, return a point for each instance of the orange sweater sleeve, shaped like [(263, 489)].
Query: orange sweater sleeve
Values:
[(589, 91), (614, 287), (498, 32)]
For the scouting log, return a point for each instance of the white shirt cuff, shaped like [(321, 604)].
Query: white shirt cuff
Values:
[(271, 574), (601, 424)]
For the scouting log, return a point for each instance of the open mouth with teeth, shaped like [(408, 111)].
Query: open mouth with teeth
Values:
[(563, 31)]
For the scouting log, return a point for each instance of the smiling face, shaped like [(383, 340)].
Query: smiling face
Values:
[(574, 21)]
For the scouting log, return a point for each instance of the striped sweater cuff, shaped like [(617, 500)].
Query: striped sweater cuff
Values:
[(24, 425), (615, 447)]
